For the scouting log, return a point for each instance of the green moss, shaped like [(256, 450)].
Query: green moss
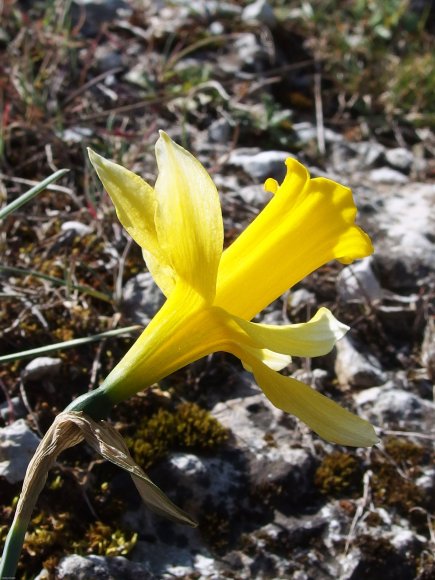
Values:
[(338, 475), (392, 484), (104, 540), (187, 428), (393, 474), (63, 523), (48, 538), (52, 536), (404, 452), (389, 488)]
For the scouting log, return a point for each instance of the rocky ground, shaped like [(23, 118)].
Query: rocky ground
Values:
[(272, 499)]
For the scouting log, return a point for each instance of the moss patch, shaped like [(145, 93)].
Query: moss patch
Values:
[(53, 534), (339, 474), (394, 474), (188, 427)]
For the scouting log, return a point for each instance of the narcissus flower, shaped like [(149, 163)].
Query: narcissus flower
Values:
[(213, 294)]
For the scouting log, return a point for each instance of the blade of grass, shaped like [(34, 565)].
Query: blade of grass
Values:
[(68, 343), (58, 281), (34, 191)]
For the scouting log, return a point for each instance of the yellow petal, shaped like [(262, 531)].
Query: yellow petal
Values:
[(188, 218), (322, 415), (183, 330), (135, 205), (274, 360), (307, 223), (314, 338)]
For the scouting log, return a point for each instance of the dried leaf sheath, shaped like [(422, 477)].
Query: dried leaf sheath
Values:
[(70, 429)]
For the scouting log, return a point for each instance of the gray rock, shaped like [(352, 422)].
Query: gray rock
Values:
[(306, 132), (101, 568), (406, 541), (259, 11), (167, 561), (210, 8), (219, 131), (17, 446), (257, 473), (368, 152), (42, 367), (359, 562), (77, 228), (428, 348), (400, 158), (249, 53), (317, 378), (283, 532), (411, 211), (301, 298), (342, 158), (141, 298), (14, 409), (387, 405), (254, 195), (358, 282), (107, 58), (354, 368), (289, 470), (199, 478), (386, 175), (191, 465), (260, 165), (75, 134), (216, 28), (246, 416), (426, 481), (92, 14), (265, 442), (349, 158), (405, 225), (273, 314)]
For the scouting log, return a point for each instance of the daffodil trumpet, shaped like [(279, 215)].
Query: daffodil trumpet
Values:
[(212, 294)]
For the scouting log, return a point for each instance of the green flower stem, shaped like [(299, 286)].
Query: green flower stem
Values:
[(13, 546), (96, 404)]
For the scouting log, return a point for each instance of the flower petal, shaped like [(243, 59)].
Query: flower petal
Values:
[(273, 360), (183, 330), (307, 223), (314, 338), (322, 415), (135, 205), (188, 218)]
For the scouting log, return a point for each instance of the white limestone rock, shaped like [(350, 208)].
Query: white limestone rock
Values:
[(18, 444)]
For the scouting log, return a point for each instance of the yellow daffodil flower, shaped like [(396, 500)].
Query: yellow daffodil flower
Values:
[(211, 297), (213, 294)]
